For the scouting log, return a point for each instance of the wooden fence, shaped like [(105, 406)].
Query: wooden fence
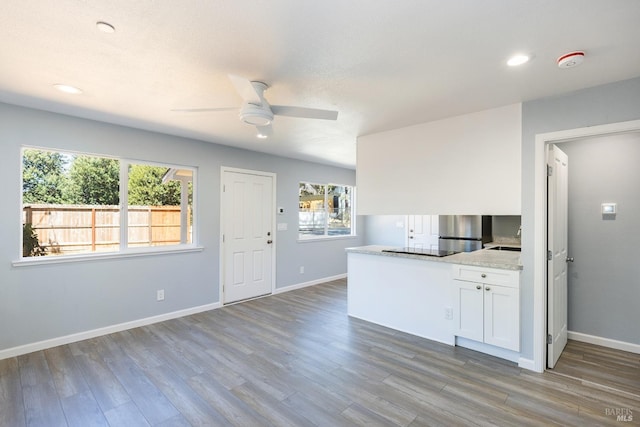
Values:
[(74, 229)]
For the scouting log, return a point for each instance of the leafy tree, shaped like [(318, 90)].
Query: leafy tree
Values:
[(146, 187), (59, 178), (94, 181), (43, 176)]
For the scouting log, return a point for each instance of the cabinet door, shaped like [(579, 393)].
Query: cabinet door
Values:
[(469, 310), (502, 317)]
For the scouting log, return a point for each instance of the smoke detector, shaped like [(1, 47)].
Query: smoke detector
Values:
[(571, 59)]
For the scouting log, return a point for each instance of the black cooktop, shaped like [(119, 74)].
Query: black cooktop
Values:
[(421, 251)]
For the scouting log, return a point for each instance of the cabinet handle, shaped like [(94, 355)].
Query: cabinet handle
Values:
[(478, 287), (483, 275), (487, 288)]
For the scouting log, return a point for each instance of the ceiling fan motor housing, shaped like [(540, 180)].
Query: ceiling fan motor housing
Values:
[(256, 115)]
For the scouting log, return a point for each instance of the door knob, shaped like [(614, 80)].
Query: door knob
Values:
[(487, 288), (269, 242), (570, 259), (478, 287)]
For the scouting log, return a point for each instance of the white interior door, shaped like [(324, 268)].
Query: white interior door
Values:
[(557, 233), (247, 235), (422, 231)]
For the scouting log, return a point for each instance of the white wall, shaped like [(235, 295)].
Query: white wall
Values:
[(50, 301), (468, 164)]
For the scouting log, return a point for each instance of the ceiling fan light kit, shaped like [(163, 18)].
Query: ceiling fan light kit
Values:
[(256, 115)]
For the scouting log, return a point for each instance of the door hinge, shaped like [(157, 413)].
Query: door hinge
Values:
[(223, 238), (549, 170), (224, 188), (549, 339), (549, 255)]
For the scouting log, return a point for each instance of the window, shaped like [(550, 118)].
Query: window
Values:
[(75, 204), (325, 210)]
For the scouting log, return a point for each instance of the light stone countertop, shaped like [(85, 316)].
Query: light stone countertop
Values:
[(506, 260)]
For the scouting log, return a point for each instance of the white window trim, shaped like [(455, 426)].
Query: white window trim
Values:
[(124, 251), (130, 253)]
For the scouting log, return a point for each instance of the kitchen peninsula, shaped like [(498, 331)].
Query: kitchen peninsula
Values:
[(469, 299)]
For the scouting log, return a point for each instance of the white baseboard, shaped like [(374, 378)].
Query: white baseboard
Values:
[(67, 339), (528, 364), (502, 353), (605, 342), (310, 283)]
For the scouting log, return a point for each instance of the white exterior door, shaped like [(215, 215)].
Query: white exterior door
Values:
[(557, 238), (247, 235), (422, 231)]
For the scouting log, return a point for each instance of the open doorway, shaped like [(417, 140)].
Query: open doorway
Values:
[(603, 229), (540, 224)]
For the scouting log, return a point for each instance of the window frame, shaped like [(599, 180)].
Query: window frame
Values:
[(352, 212), (123, 251)]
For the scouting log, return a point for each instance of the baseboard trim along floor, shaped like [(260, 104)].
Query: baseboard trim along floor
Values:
[(604, 342)]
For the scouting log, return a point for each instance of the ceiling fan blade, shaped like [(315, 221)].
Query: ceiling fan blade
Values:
[(264, 131), (202, 110), (305, 113), (245, 89)]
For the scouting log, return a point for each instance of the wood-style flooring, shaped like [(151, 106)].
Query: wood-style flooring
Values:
[(297, 359)]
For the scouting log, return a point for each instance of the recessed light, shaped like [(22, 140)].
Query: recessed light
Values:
[(516, 60), (105, 27), (262, 136), (68, 89)]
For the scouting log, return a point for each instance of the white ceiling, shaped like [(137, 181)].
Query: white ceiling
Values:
[(382, 64)]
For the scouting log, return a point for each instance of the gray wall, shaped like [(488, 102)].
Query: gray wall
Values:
[(49, 301), (604, 280), (612, 103), (505, 227), (384, 230)]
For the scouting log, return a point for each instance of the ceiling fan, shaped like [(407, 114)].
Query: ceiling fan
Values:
[(256, 111)]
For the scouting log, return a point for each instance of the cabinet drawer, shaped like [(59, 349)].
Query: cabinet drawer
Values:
[(494, 276)]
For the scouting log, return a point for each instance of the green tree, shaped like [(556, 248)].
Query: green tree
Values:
[(94, 181), (43, 176), (146, 187)]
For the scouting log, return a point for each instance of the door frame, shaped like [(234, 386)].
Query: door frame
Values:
[(539, 226), (222, 264)]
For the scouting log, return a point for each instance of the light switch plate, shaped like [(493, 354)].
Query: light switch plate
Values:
[(609, 208)]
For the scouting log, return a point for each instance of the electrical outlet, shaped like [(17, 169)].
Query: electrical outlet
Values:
[(301, 269), (160, 295), (448, 313)]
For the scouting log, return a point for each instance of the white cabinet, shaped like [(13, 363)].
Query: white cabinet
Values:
[(487, 305)]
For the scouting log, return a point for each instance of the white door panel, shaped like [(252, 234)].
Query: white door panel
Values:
[(422, 231), (557, 239), (247, 210)]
